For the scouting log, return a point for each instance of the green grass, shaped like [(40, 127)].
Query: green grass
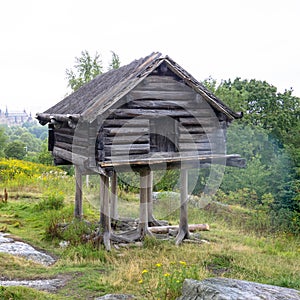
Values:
[(23, 293), (238, 247), (230, 253)]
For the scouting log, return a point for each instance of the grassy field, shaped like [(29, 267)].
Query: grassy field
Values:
[(235, 247)]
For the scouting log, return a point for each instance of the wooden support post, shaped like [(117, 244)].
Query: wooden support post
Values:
[(149, 197), (114, 196), (78, 194), (105, 226), (183, 225), (143, 221), (151, 219), (87, 181)]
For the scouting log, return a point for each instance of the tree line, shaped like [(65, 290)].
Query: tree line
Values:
[(268, 136), (25, 142)]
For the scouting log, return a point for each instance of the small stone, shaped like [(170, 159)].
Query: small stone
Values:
[(116, 247), (196, 235), (64, 244), (120, 255), (173, 232), (204, 242)]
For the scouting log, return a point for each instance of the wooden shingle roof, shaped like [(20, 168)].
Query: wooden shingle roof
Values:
[(101, 93)]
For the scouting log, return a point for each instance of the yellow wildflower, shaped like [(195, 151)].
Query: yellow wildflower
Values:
[(167, 274), (144, 271), (183, 263), (141, 281), (158, 265)]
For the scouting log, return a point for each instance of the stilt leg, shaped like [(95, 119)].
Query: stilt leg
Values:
[(143, 221), (183, 225), (78, 194), (151, 220), (114, 196), (105, 227)]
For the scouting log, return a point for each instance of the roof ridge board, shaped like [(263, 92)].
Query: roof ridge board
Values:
[(149, 67)]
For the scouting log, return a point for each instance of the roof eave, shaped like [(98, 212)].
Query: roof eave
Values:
[(197, 86)]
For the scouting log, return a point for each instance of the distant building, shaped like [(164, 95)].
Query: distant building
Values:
[(14, 117)]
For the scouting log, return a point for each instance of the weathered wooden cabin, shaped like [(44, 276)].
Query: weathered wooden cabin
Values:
[(147, 115)]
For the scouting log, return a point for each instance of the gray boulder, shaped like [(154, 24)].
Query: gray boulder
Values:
[(232, 289)]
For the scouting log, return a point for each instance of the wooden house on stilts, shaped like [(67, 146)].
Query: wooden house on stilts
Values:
[(148, 115)]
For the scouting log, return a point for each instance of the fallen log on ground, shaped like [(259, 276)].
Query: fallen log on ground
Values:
[(165, 229)]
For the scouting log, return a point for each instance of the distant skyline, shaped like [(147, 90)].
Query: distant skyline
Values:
[(6, 108), (255, 39)]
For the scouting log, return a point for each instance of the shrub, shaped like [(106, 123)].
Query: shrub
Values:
[(76, 231), (56, 221), (16, 149), (51, 201)]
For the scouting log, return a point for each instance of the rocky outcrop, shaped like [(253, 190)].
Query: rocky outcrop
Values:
[(10, 246), (49, 285), (116, 297), (232, 289)]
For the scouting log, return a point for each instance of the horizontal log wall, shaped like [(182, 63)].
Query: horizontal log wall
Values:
[(69, 156), (127, 129), (71, 143), (123, 137)]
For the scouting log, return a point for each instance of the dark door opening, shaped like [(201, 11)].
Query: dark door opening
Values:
[(163, 135)]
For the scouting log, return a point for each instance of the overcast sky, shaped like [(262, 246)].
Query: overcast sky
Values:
[(224, 39)]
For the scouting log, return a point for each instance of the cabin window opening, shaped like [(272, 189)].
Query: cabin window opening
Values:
[(163, 137)]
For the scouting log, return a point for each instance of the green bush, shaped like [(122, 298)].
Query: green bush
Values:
[(16, 150), (76, 231), (51, 200), (55, 222)]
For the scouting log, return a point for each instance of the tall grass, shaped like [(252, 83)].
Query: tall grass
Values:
[(239, 244), (22, 176)]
